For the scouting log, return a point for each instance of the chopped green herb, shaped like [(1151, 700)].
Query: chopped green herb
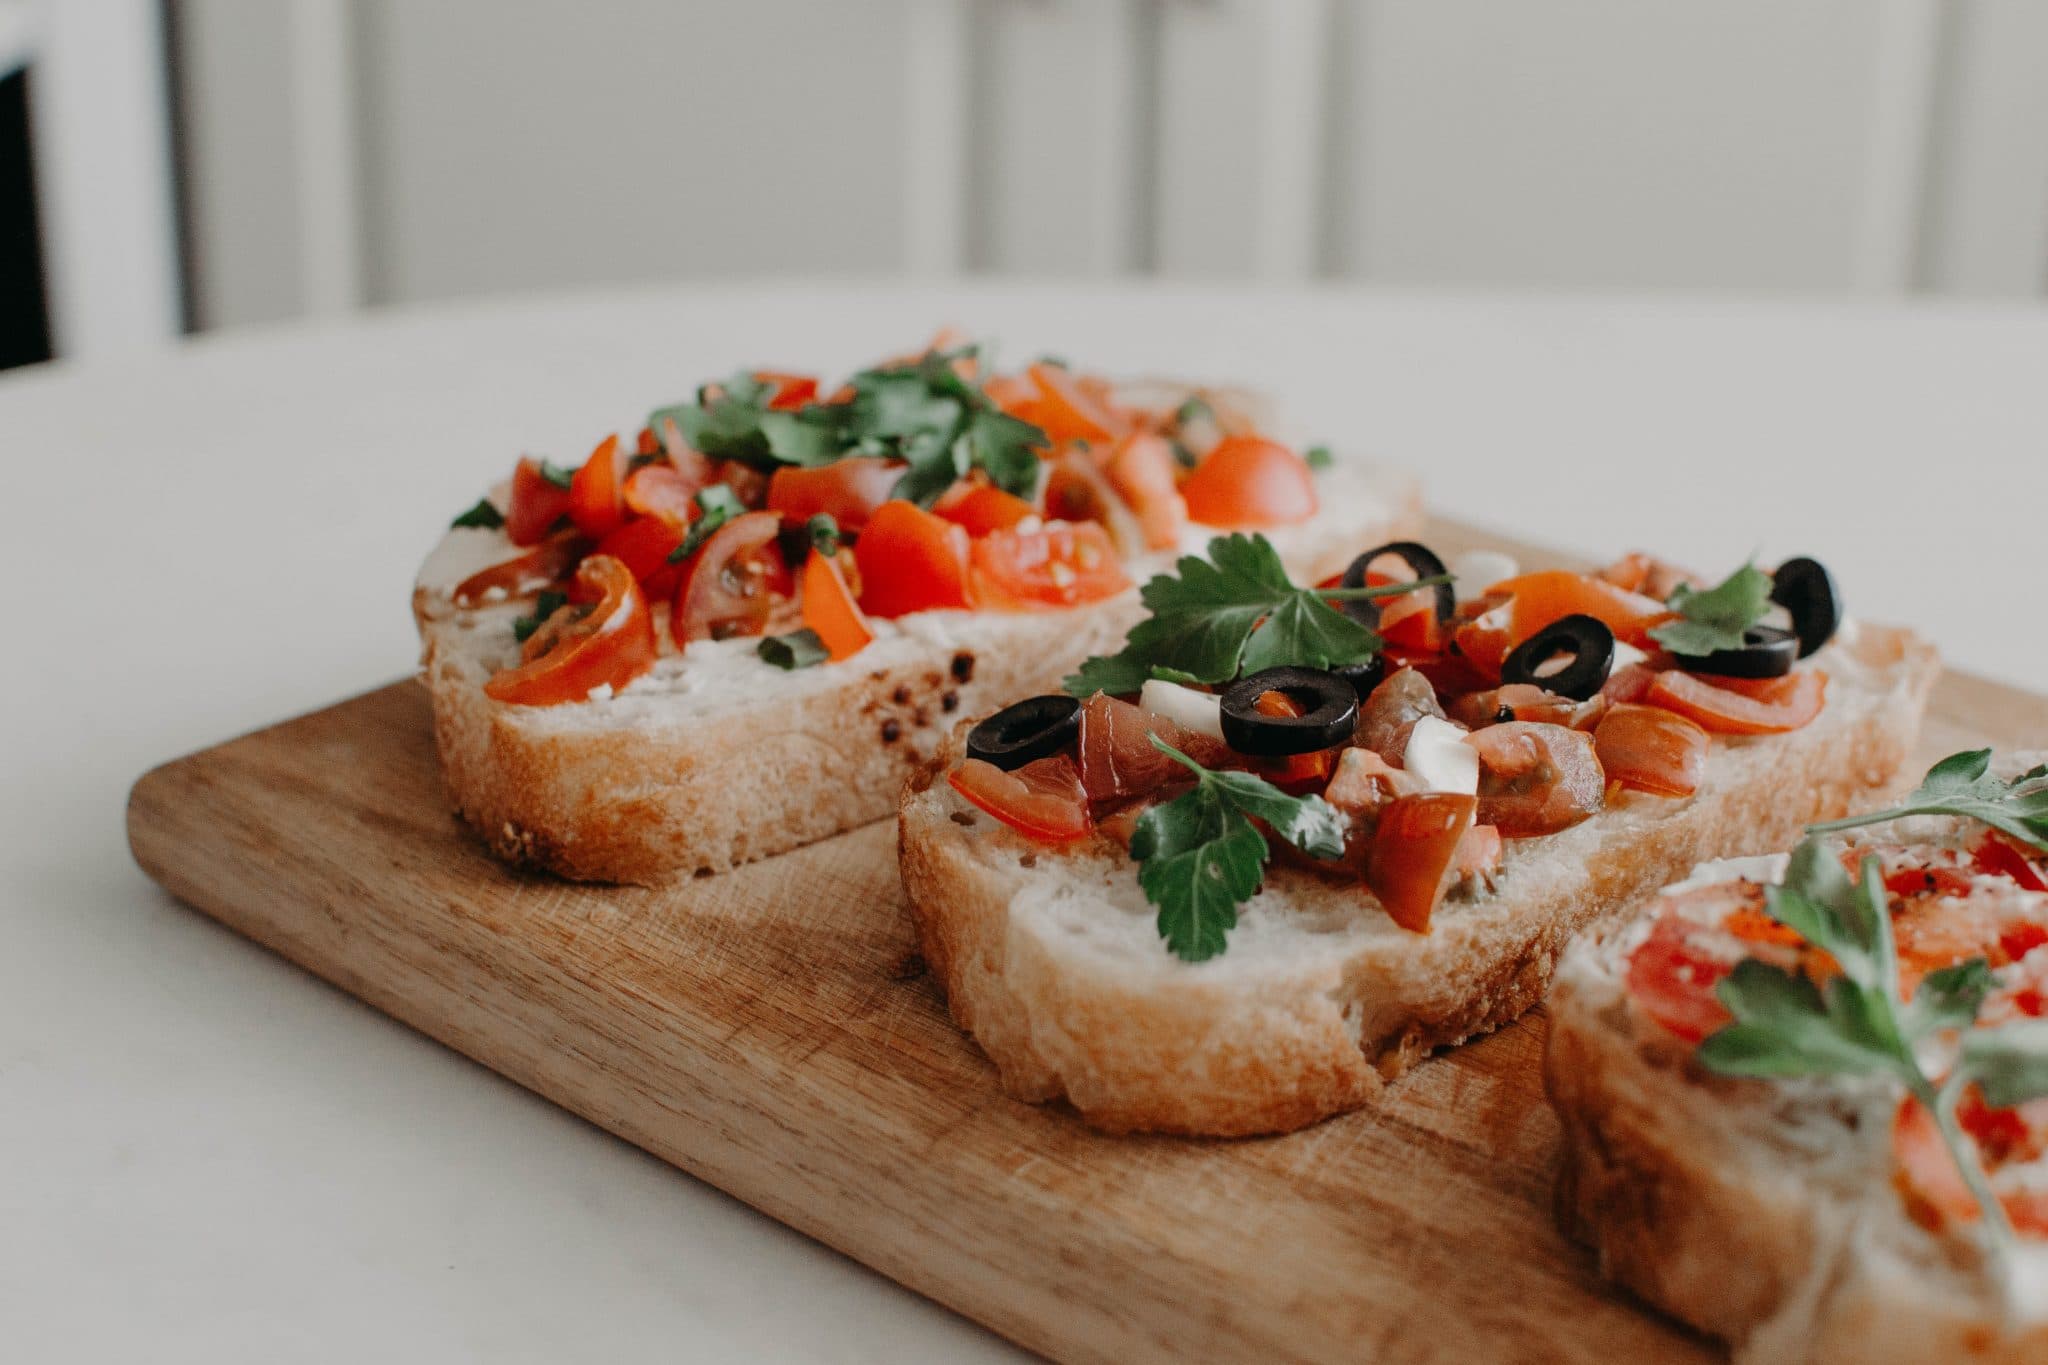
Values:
[(824, 533), (1961, 784), (1056, 361), (718, 504), (798, 649), (544, 606), (1718, 617), (1193, 410), (1184, 457), (556, 475), (1318, 457), (484, 514)]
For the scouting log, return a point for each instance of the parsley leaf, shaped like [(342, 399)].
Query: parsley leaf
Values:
[(718, 504), (824, 534), (1317, 457), (556, 474), (1962, 785), (1234, 612), (1200, 856), (1718, 617), (2010, 1062), (544, 606), (798, 649), (484, 514)]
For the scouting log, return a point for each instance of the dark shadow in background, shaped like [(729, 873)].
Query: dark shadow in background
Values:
[(24, 310)]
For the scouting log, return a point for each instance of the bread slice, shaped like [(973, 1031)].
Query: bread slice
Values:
[(715, 758), (1761, 1212), (1053, 961)]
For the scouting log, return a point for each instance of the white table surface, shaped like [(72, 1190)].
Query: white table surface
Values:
[(206, 1154)]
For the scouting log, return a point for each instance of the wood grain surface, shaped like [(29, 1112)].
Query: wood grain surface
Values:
[(772, 1031)]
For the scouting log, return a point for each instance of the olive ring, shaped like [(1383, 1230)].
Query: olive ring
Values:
[(1329, 706), (1767, 652), (1036, 727), (1421, 559), (1589, 642), (1806, 590)]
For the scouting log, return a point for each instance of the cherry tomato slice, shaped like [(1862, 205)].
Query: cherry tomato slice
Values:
[(1649, 749), (595, 501), (2001, 857), (982, 508), (1549, 595), (1932, 1186), (662, 490), (538, 502), (1249, 481), (1673, 976), (1413, 852), (1067, 411), (829, 609), (848, 491), (1062, 564), (1143, 472), (910, 560), (729, 585), (643, 545), (543, 566), (792, 391), (1744, 706), (1042, 799), (608, 646)]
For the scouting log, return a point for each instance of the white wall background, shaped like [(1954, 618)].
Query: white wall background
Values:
[(349, 152)]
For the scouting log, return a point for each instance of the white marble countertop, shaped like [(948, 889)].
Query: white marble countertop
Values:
[(211, 1156)]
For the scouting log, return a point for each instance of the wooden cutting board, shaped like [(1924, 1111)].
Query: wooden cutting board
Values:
[(773, 1031)]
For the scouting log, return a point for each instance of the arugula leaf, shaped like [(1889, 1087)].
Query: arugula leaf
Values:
[(1718, 617), (1200, 856), (1318, 457), (484, 514), (824, 534), (798, 649), (1962, 785), (544, 606), (1235, 611), (556, 474), (718, 504)]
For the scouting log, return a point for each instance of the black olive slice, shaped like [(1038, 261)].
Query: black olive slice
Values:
[(1364, 677), (1421, 559), (1806, 589), (1586, 639), (1329, 713), (1767, 652), (1036, 727)]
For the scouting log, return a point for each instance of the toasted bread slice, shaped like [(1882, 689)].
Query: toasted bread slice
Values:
[(1052, 959), (1762, 1212), (715, 758)]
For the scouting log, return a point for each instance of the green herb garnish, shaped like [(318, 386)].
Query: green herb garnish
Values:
[(1200, 856), (1862, 1025), (485, 514), (1318, 457), (718, 504), (556, 474), (824, 534), (798, 649), (1193, 410), (1718, 617), (544, 606), (1234, 612), (1961, 784)]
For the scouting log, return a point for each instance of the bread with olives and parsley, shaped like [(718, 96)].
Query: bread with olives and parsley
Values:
[(1770, 1183), (726, 750), (1145, 1012)]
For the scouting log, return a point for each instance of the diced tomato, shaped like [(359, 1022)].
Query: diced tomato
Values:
[(1414, 849), (1061, 564), (792, 391), (1672, 976), (573, 654), (1929, 1181), (538, 502), (1294, 772), (1932, 933), (848, 491), (1249, 481), (1143, 472), (1010, 392), (982, 507), (829, 609), (643, 545), (1629, 683), (1076, 489), (1652, 750), (1409, 622), (545, 565), (1043, 799), (730, 584), (595, 501), (1067, 411), (647, 443), (1484, 642), (910, 560), (1743, 706), (2001, 857), (663, 491), (1549, 595), (1479, 852)]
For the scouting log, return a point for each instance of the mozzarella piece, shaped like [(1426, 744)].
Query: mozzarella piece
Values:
[(1767, 868), (1439, 758), (1478, 570), (1201, 712), (1626, 654)]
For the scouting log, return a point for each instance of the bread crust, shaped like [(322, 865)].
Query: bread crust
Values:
[(1136, 1041)]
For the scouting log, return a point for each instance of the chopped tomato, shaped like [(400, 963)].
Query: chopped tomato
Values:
[(1631, 682), (1479, 852), (848, 491), (1077, 490), (1652, 750), (595, 501), (1117, 758), (1409, 621), (792, 391), (1932, 933), (1062, 564), (1066, 410), (1934, 1189), (2001, 857), (729, 585), (577, 651), (1485, 639), (982, 507), (1536, 600), (1295, 772), (538, 502), (1142, 471), (544, 565), (829, 609), (1535, 778), (1672, 975), (1010, 392), (1515, 701), (1042, 799), (643, 545), (910, 560), (663, 491), (1414, 849), (1249, 481), (1743, 706)]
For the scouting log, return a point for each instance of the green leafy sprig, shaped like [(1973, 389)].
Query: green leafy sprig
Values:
[(1717, 617), (1234, 612), (484, 515), (798, 649), (1200, 856), (716, 505), (1862, 1025), (544, 606), (1962, 784)]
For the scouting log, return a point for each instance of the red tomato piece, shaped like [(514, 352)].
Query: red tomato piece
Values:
[(848, 491), (1294, 772), (1249, 481), (1062, 564), (1143, 472), (792, 391), (729, 585), (1067, 411), (2001, 857), (1673, 976), (1043, 799), (573, 653), (1549, 595), (1652, 750), (1743, 706), (538, 502), (545, 565), (910, 560), (1413, 852), (982, 508), (595, 501), (662, 490), (643, 545), (1934, 1189), (1535, 778), (829, 609)]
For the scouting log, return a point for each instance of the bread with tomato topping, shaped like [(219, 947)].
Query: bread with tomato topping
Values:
[(1777, 1215), (1051, 958)]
